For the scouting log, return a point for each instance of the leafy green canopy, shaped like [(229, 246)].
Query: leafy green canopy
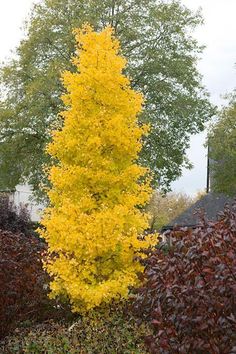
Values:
[(222, 142), (156, 39)]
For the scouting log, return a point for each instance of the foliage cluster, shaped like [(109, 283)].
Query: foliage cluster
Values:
[(189, 293), (22, 279), (14, 219), (223, 155), (93, 223), (112, 330), (156, 38), (23, 282)]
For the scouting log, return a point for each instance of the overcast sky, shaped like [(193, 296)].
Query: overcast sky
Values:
[(219, 76), (217, 65)]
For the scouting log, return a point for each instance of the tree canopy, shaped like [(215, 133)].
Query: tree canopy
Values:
[(156, 38), (222, 150), (93, 223)]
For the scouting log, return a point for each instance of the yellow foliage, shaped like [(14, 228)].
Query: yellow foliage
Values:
[(95, 217)]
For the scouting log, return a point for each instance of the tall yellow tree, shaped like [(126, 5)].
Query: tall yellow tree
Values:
[(95, 217)]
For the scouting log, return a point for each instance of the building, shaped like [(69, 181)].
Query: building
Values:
[(211, 204), (22, 195)]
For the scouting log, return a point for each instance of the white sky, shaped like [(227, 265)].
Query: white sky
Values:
[(217, 65), (219, 76)]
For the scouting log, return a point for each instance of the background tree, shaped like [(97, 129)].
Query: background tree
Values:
[(222, 143), (165, 208), (162, 57), (93, 224)]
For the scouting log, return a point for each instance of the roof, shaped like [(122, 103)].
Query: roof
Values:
[(211, 204)]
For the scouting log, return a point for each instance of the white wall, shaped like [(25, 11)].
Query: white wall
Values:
[(23, 196)]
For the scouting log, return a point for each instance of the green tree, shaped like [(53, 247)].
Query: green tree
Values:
[(222, 152), (162, 54)]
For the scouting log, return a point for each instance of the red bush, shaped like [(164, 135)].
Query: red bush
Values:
[(189, 292), (22, 280)]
